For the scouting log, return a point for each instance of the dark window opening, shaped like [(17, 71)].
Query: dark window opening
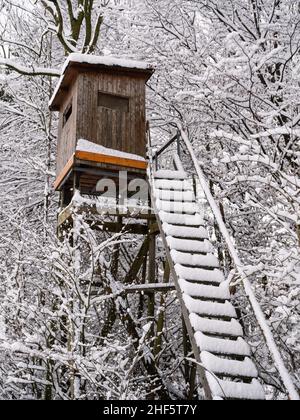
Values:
[(67, 114), (116, 103)]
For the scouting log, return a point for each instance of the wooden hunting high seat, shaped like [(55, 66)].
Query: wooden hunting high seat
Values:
[(101, 102)]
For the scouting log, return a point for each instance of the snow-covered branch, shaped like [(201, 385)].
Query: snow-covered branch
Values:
[(28, 70)]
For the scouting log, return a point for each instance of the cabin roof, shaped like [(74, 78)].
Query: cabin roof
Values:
[(76, 63)]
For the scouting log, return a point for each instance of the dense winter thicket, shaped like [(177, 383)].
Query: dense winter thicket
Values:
[(229, 71)]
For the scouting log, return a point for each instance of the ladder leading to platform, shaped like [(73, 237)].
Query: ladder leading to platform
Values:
[(225, 365), (211, 319)]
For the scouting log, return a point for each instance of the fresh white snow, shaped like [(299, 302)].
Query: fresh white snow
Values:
[(107, 61), (88, 146), (205, 325), (188, 245), (229, 389), (209, 308), (176, 207), (185, 232), (181, 219), (199, 274), (222, 345), (211, 292), (189, 259), (218, 365), (169, 195)]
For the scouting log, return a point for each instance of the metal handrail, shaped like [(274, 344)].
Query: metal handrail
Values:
[(163, 148)]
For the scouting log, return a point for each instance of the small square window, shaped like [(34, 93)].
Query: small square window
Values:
[(67, 114), (114, 102)]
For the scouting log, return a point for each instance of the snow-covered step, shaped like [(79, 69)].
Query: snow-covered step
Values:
[(192, 246), (212, 326), (168, 195), (205, 292), (177, 207), (227, 367), (181, 219), (185, 232), (209, 308), (223, 346), (235, 390), (208, 260), (199, 275), (173, 185), (167, 174)]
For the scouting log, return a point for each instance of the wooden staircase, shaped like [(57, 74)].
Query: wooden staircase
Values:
[(224, 358)]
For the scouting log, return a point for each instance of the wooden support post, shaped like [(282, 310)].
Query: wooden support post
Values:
[(142, 298), (119, 226), (195, 185), (190, 372), (161, 317), (113, 227), (116, 252), (192, 382), (186, 351), (75, 335), (138, 262), (151, 298), (110, 319), (65, 200), (76, 181), (65, 197), (151, 274)]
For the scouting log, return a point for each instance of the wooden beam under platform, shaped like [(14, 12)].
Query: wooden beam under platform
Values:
[(92, 210), (115, 227), (150, 288)]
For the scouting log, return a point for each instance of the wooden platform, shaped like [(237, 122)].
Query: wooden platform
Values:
[(92, 164), (91, 210)]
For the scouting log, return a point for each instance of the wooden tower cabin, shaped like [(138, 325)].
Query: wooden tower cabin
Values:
[(102, 122), (102, 133)]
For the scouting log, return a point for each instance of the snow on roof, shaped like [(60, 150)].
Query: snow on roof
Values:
[(101, 61), (108, 61), (87, 146)]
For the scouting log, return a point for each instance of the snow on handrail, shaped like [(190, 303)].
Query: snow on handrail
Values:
[(285, 376)]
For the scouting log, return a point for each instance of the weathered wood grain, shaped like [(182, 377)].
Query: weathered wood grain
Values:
[(108, 109)]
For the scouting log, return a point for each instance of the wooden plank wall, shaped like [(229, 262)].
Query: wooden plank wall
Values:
[(66, 143), (110, 128)]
